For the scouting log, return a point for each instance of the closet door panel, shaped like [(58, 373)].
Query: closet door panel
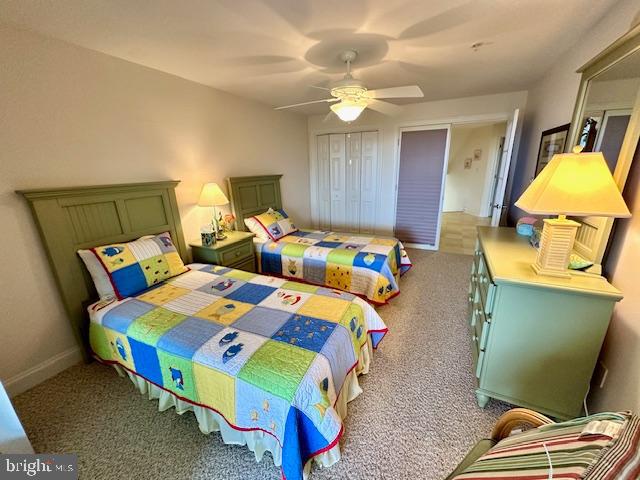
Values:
[(354, 154), (324, 182), (368, 182), (337, 158)]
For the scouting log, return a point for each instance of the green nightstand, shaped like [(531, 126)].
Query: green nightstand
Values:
[(236, 251)]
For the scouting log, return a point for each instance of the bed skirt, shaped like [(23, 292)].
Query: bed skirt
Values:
[(257, 441)]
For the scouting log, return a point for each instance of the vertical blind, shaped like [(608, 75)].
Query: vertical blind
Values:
[(422, 155)]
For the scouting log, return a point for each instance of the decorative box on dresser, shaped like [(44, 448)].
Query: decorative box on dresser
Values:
[(236, 251), (535, 339)]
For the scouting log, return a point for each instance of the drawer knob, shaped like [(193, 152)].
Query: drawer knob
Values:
[(237, 254)]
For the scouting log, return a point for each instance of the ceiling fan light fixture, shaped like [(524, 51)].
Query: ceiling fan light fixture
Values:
[(349, 110)]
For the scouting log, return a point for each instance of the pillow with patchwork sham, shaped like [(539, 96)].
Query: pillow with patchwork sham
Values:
[(133, 266), (271, 225)]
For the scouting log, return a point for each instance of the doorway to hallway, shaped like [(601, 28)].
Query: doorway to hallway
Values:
[(472, 179)]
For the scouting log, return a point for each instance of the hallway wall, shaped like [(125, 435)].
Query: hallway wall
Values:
[(468, 190)]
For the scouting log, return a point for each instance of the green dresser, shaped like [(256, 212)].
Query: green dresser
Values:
[(535, 339), (236, 251)]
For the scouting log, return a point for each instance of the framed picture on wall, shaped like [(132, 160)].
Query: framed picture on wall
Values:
[(552, 141)]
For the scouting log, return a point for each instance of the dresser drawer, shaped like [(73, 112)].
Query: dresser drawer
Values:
[(236, 253)]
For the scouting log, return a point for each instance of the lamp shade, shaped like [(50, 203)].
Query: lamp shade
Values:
[(212, 195), (348, 110), (578, 184)]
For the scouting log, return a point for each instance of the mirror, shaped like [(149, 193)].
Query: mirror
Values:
[(606, 119), (608, 106)]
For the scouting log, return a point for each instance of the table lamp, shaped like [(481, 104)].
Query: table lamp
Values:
[(213, 196), (577, 184)]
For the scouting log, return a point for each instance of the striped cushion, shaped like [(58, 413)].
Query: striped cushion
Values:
[(575, 448)]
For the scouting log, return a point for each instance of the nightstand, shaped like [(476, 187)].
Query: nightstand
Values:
[(236, 251)]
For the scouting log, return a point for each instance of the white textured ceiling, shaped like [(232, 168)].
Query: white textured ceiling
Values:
[(272, 50)]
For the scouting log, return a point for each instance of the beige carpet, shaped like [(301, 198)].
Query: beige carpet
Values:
[(416, 418)]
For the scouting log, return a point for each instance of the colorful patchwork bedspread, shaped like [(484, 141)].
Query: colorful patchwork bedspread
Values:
[(266, 353), (366, 266)]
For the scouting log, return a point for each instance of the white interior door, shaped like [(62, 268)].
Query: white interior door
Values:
[(352, 181), (324, 182), (502, 172), (337, 159), (368, 182)]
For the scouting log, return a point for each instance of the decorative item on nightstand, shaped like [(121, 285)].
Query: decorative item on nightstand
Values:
[(578, 184), (213, 196)]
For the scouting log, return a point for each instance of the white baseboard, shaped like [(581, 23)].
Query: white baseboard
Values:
[(39, 373)]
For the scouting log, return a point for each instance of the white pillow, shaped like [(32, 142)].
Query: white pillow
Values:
[(98, 274)]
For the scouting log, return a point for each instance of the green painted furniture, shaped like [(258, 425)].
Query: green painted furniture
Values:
[(535, 339), (74, 218), (236, 251), (253, 195)]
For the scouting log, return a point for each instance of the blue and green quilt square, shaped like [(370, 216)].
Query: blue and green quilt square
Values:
[(188, 336), (262, 321), (121, 316), (251, 293), (305, 332)]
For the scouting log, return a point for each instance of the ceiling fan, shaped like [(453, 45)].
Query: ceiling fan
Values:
[(350, 97)]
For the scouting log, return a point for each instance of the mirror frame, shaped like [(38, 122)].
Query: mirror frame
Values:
[(619, 50)]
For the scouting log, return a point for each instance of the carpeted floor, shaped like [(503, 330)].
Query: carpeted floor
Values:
[(416, 418)]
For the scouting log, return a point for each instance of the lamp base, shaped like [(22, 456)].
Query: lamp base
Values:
[(556, 244), (221, 236)]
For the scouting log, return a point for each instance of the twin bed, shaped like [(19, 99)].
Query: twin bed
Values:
[(362, 265), (267, 361)]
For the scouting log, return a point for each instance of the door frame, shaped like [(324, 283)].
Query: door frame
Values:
[(414, 128)]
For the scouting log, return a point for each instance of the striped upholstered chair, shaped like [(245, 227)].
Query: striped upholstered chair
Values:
[(604, 446)]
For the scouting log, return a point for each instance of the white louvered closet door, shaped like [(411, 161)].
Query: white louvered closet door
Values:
[(337, 158), (324, 183), (347, 180), (368, 182), (352, 184)]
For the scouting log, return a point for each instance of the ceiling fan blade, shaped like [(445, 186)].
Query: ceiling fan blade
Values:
[(327, 116), (325, 100), (383, 107), (396, 92), (320, 88)]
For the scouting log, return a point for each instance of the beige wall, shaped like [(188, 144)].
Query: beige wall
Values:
[(71, 116), (550, 104), (467, 190), (485, 108)]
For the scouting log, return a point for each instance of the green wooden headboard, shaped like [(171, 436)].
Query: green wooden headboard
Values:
[(70, 219), (253, 195)]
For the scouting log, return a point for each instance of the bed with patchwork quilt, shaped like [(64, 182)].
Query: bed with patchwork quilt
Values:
[(366, 266), (268, 360)]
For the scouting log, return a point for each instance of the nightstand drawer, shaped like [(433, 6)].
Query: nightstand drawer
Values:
[(248, 265), (236, 253)]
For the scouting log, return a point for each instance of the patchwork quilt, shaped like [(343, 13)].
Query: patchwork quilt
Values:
[(265, 353), (366, 266)]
